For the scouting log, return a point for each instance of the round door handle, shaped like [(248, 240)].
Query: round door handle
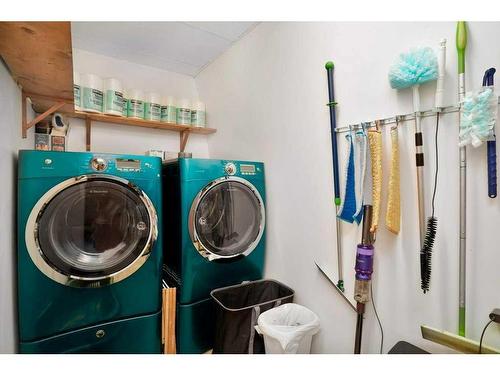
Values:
[(98, 164), (230, 169)]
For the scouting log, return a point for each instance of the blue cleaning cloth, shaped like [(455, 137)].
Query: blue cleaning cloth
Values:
[(348, 206), (414, 68), (360, 155)]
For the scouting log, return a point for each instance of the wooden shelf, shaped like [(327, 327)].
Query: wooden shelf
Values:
[(39, 57), (50, 105), (141, 123), (184, 130)]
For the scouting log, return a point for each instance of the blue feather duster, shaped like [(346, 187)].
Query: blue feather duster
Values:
[(414, 68)]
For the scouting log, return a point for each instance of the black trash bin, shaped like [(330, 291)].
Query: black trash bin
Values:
[(237, 309)]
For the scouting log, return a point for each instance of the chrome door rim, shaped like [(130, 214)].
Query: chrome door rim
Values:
[(36, 254), (195, 239)]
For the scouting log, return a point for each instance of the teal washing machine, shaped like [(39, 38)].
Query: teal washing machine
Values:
[(89, 253), (214, 224)]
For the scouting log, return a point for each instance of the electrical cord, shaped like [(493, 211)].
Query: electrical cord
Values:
[(482, 335), (378, 319)]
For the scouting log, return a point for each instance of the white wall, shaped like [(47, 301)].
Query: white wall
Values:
[(10, 141), (267, 97), (125, 139)]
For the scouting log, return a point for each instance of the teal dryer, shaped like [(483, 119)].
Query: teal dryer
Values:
[(89, 253), (214, 230)]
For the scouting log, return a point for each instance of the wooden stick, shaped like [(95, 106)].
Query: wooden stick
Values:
[(24, 129), (167, 320), (184, 135), (88, 132), (456, 342), (35, 96), (48, 112), (164, 319), (171, 322)]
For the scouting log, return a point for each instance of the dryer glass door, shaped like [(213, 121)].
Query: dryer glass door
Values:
[(94, 230), (228, 219)]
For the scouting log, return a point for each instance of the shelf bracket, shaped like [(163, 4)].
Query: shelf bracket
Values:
[(88, 132), (24, 131), (26, 125), (183, 135)]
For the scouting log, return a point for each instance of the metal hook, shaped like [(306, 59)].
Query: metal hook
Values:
[(363, 127), (349, 133), (395, 127), (378, 125)]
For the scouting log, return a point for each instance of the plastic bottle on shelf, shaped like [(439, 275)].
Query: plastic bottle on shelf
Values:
[(198, 115), (113, 97), (135, 103), (152, 107), (125, 104), (91, 93), (168, 110), (184, 112), (77, 91)]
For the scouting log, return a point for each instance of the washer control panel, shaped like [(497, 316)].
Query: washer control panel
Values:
[(98, 164), (248, 169)]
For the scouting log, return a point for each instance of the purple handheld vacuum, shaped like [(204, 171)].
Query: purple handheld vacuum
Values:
[(364, 270)]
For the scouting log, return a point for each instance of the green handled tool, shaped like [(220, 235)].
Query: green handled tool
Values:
[(335, 159), (461, 44)]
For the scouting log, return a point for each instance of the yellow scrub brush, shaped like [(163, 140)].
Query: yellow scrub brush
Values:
[(375, 142), (393, 214)]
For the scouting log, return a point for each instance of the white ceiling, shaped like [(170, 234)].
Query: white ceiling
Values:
[(182, 47)]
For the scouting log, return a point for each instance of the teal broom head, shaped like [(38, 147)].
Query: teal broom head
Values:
[(414, 68)]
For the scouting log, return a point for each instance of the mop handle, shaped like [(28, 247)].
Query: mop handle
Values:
[(461, 43), (491, 146), (333, 124), (442, 72), (419, 163)]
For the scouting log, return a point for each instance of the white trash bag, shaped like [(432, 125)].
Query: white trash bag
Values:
[(288, 329)]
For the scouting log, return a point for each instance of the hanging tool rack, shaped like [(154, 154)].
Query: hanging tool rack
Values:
[(398, 119)]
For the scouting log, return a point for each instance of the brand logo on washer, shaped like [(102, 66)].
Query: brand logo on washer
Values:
[(94, 191), (141, 225)]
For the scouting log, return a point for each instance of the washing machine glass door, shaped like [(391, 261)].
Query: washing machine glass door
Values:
[(227, 219), (91, 231)]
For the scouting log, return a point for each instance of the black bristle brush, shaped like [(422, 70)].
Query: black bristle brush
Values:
[(431, 230), (430, 234)]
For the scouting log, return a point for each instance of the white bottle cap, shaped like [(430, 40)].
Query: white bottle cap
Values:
[(184, 103), (199, 106), (134, 94), (76, 78), (152, 97), (113, 84), (91, 81), (168, 100)]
